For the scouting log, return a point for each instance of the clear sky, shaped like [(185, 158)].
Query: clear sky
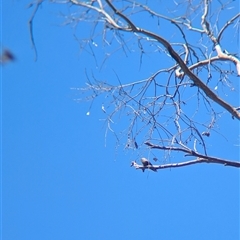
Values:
[(62, 179)]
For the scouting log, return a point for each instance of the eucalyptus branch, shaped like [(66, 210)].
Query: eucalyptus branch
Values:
[(185, 163), (229, 57), (178, 59), (205, 24), (161, 106), (172, 20), (190, 152), (180, 74), (226, 25), (207, 28)]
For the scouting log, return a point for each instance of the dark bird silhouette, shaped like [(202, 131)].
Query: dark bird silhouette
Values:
[(6, 56), (145, 162)]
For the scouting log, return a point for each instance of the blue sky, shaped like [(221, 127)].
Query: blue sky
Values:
[(62, 179)]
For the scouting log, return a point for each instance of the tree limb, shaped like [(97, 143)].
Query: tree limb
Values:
[(200, 157), (179, 60), (187, 163)]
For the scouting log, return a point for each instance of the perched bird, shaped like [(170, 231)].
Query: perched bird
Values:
[(145, 162)]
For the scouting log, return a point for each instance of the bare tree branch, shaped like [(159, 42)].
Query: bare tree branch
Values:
[(186, 163), (227, 24), (179, 105)]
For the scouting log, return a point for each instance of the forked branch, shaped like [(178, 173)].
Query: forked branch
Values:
[(197, 81), (189, 152)]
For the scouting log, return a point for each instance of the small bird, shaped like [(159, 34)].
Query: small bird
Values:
[(6, 56), (145, 162)]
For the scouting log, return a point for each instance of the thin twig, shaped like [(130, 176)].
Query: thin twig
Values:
[(30, 24)]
